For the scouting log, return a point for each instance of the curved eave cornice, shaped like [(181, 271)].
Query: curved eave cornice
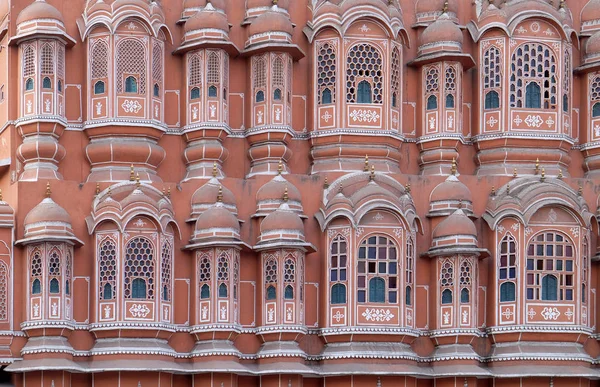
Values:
[(217, 242), (455, 250), (587, 68), (42, 34), (284, 244), (71, 240), (227, 46), (293, 49), (154, 23), (466, 60)]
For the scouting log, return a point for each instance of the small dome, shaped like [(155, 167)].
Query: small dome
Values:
[(429, 6), (440, 31), (275, 189), (47, 211), (266, 3), (592, 47), (4, 8), (451, 190), (207, 194), (456, 224), (136, 197), (271, 21), (39, 10), (209, 17), (98, 6), (282, 219), (217, 217), (218, 4), (591, 11)]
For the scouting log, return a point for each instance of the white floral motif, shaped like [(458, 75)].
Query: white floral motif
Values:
[(29, 106), (139, 223), (378, 216), (378, 315), (204, 312), (569, 313), (54, 308), (213, 110), (597, 130), (447, 317), (139, 310), (507, 314), (326, 117), (432, 123), (156, 111), (515, 227), (398, 232), (259, 117), (521, 30), (450, 122), (36, 310), (60, 108), (534, 121), (223, 313), (531, 313), (271, 314), (131, 26), (277, 114), (549, 32), (107, 311), (359, 231), (465, 316), (195, 113), (288, 312), (131, 106), (166, 314), (549, 122), (575, 231), (99, 108), (364, 28), (409, 317), (364, 115), (47, 103), (501, 229), (338, 316), (395, 120), (528, 231), (550, 313), (535, 27), (492, 121)]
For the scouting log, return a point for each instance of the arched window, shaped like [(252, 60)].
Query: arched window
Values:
[(195, 93), (259, 76), (4, 295), (212, 91), (28, 61), (465, 280), (596, 110), (271, 293), (377, 259), (277, 95), (223, 291), (408, 296), (377, 290), (36, 273), (492, 100), (446, 297), (157, 67), (507, 292), (364, 64), (131, 85), (54, 271), (409, 269), (36, 287), (533, 96), (166, 259), (507, 268), (464, 296), (534, 69), (59, 87), (565, 103), (394, 100), (205, 292), (156, 90), (139, 269), (260, 96), (54, 286), (550, 268), (450, 86), (224, 94), (449, 101), (99, 59), (338, 294), (46, 83), (107, 269), (289, 293), (47, 59), (138, 289), (432, 102), (326, 71), (29, 84), (395, 75), (99, 87), (364, 92)]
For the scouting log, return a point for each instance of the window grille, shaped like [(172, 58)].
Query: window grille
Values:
[(139, 265), (364, 63)]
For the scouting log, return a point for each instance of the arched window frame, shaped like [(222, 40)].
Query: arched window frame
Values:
[(447, 273), (55, 271), (326, 71), (534, 63), (4, 290), (223, 273), (432, 86), (409, 269), (370, 265), (374, 76), (259, 77), (507, 268), (594, 95), (289, 277), (204, 275), (99, 88), (492, 72), (108, 269), (131, 61), (145, 257), (466, 280), (166, 268), (338, 269), (492, 100), (271, 277)]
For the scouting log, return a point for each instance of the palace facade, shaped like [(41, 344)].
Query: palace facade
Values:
[(307, 193)]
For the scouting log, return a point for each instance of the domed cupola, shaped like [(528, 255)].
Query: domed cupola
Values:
[(592, 51), (191, 7), (449, 196), (273, 29), (427, 11), (255, 8), (41, 18), (456, 234), (48, 221), (7, 214), (205, 197), (269, 196), (590, 17), (207, 28)]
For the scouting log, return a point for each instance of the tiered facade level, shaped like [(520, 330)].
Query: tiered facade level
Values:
[(299, 193)]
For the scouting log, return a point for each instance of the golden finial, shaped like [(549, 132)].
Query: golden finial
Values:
[(372, 176), (366, 168), (285, 194), (580, 190), (326, 184), (561, 5), (220, 194), (493, 193), (97, 189), (164, 191), (280, 167), (48, 192), (214, 171), (137, 180), (543, 175), (1, 199), (445, 8), (537, 166), (407, 188), (460, 203), (515, 172), (453, 169), (109, 192), (132, 174), (275, 2), (560, 175), (169, 192)]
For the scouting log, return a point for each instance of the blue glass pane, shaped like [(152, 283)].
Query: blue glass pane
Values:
[(54, 286)]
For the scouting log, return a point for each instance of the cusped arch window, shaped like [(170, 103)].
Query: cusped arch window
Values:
[(377, 269), (139, 269), (492, 100), (29, 84), (507, 268), (99, 87), (46, 83), (131, 85), (260, 96), (596, 110), (364, 75), (534, 77)]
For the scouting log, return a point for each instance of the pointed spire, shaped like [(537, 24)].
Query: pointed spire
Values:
[(137, 180), (580, 190), (341, 188), (214, 170), (169, 192), (48, 191), (543, 175), (220, 194), (445, 7), (366, 167), (560, 174), (280, 167), (460, 205), (562, 4), (508, 188), (453, 169), (109, 192), (285, 194), (164, 192), (132, 174)]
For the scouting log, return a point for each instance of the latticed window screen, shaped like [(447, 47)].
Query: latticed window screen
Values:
[(47, 59), (507, 268), (4, 279), (278, 77), (107, 270), (364, 63), (446, 281), (68, 272), (595, 96), (54, 271), (195, 70), (28, 61), (409, 270), (259, 68), (326, 71), (131, 60), (139, 265), (550, 268), (432, 87), (204, 276), (566, 81), (492, 77), (377, 259), (99, 59), (36, 272), (223, 266), (166, 262), (271, 277), (60, 62), (533, 64), (289, 277), (585, 261), (213, 72), (157, 63), (395, 75), (466, 271), (338, 269), (236, 273), (450, 86)]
